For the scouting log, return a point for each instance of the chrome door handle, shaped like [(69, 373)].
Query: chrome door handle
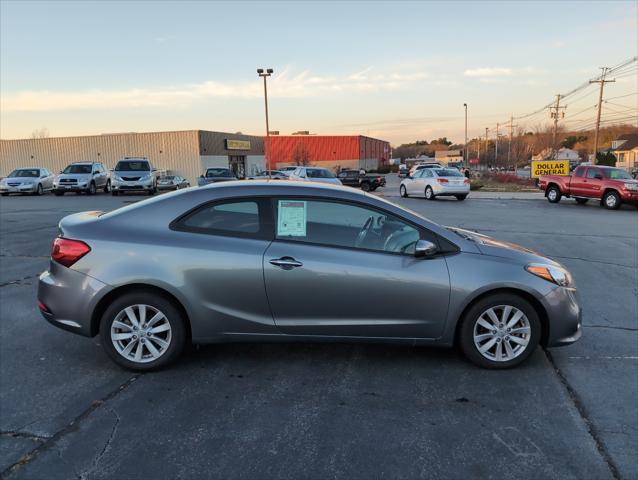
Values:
[(287, 263)]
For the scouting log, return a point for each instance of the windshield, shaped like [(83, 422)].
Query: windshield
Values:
[(447, 172), (132, 166), (24, 173), (319, 173), (168, 177), (616, 174), (218, 172), (78, 169)]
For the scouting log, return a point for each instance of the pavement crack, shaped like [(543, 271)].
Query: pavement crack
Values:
[(21, 434), (52, 441), (582, 411), (107, 445), (627, 329)]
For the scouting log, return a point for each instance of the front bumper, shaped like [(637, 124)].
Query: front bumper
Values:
[(70, 188), (18, 189), (629, 196), (68, 298), (564, 316)]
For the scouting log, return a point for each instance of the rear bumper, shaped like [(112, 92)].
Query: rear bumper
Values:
[(451, 189), (564, 317), (68, 298)]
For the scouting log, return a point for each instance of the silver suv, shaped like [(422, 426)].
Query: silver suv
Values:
[(85, 177), (134, 175)]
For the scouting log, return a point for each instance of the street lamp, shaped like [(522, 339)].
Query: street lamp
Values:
[(465, 148), (267, 73)]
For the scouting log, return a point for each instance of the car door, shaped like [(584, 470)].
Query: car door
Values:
[(578, 182), (222, 245), (412, 183), (323, 278), (592, 182)]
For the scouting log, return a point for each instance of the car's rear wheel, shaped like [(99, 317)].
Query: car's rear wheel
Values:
[(142, 331), (460, 198), (611, 200), (365, 186), (58, 193), (500, 331), (403, 191), (429, 193), (115, 193), (582, 201), (553, 194)]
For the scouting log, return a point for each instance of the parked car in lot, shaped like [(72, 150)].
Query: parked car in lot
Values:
[(214, 175), (275, 261), (611, 186), (274, 174), (435, 182), (82, 177), (288, 169), (314, 174), (362, 180), (32, 181), (134, 175), (404, 171), (172, 182), (421, 166)]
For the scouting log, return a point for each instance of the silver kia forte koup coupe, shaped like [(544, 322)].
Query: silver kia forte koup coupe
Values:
[(290, 261)]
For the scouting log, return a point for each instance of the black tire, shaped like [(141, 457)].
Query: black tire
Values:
[(611, 200), (365, 186), (403, 191), (39, 190), (173, 316), (429, 193), (151, 192), (460, 198), (115, 193), (553, 194), (107, 186), (91, 190), (5, 194), (57, 193), (471, 317), (581, 201)]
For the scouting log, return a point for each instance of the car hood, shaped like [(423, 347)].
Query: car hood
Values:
[(133, 173), (20, 179), (77, 176), (500, 248)]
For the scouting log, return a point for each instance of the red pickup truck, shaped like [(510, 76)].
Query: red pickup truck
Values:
[(612, 186)]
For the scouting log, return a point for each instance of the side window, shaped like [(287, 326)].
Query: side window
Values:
[(427, 173), (339, 224), (591, 172), (579, 172), (243, 218)]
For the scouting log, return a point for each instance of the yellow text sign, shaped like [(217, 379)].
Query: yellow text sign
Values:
[(550, 167)]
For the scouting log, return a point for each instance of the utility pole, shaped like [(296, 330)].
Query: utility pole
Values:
[(555, 114), (602, 82), (465, 149), (268, 73), (509, 147), (478, 148), (496, 145), (486, 144)]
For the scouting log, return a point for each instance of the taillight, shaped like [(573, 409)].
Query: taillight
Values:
[(466, 181), (66, 251), (442, 180)]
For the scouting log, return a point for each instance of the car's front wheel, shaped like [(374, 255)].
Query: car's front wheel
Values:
[(92, 189), (143, 331), (403, 191), (553, 194), (107, 186), (500, 331), (611, 200)]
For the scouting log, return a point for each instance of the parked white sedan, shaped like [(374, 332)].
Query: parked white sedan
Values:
[(435, 182), (314, 174)]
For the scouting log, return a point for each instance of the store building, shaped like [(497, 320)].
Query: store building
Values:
[(186, 153), (328, 151)]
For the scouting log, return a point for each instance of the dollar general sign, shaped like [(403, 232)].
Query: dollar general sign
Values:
[(550, 167)]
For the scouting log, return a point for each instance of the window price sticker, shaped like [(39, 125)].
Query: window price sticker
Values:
[(291, 218)]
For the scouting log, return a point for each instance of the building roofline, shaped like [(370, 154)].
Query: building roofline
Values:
[(106, 135)]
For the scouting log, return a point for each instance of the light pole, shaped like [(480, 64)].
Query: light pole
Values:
[(267, 73), (465, 149)]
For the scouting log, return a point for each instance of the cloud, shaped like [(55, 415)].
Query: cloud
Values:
[(286, 84), (488, 72)]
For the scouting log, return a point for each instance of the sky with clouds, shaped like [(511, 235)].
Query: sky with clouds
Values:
[(395, 70)]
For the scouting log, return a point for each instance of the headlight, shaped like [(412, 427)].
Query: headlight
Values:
[(631, 186), (145, 178), (551, 273), (117, 178)]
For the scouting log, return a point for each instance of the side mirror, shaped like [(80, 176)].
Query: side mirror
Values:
[(424, 249)]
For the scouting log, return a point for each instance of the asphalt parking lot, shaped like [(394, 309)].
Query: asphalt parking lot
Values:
[(330, 411)]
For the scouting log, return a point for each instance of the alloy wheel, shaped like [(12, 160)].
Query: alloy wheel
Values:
[(141, 333), (610, 201), (502, 333), (551, 194)]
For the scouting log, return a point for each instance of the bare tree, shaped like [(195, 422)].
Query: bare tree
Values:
[(40, 133), (301, 155)]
